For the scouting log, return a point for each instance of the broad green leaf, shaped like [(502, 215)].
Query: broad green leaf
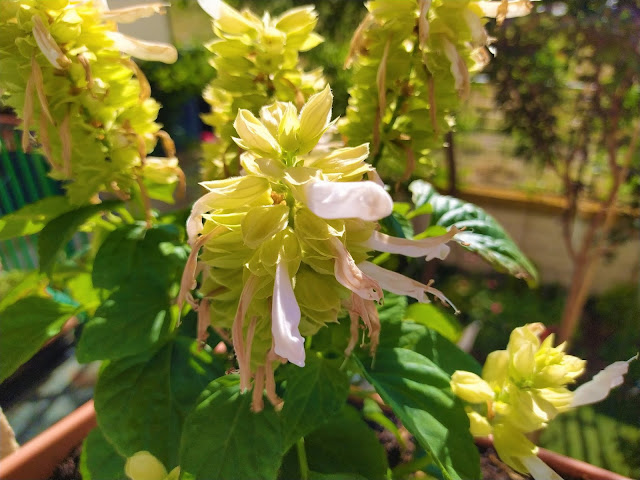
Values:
[(433, 318), (335, 476), (33, 217), (25, 326), (418, 392), (223, 439), (161, 191), (99, 460), (314, 394), (483, 234), (133, 254), (21, 284), (393, 308), (129, 322), (345, 445), (142, 401), (81, 289), (57, 233), (428, 343)]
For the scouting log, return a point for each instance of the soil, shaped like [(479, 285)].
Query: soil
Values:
[(69, 469)]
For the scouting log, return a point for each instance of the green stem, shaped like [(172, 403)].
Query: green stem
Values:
[(302, 459)]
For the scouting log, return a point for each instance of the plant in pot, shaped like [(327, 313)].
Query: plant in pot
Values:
[(233, 334)]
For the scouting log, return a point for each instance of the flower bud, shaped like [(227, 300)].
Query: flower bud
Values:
[(144, 466), (254, 135), (470, 387), (479, 425)]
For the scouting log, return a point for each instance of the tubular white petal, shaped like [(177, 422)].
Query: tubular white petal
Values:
[(285, 318), (538, 469), (211, 7), (151, 51), (400, 285), (601, 384), (366, 200), (47, 45), (135, 12), (430, 247), (519, 8), (350, 276)]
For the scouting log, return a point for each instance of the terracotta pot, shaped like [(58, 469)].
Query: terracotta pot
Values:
[(37, 459)]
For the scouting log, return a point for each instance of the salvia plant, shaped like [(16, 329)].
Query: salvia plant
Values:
[(68, 74), (293, 277), (412, 62)]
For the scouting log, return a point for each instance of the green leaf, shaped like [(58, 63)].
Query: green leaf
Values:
[(314, 394), (25, 283), (133, 254), (99, 460), (161, 191), (418, 392), (129, 322), (335, 476), (345, 445), (142, 401), (483, 234), (33, 217), (223, 439), (432, 317), (57, 233), (428, 343), (25, 326)]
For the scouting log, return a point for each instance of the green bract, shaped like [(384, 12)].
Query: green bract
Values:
[(257, 63), (64, 74)]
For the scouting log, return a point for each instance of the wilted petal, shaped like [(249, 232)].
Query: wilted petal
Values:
[(400, 285), (144, 50), (366, 310), (285, 318), (350, 276), (459, 68), (430, 247), (47, 45), (519, 8), (244, 361), (188, 281), (423, 22), (479, 36), (366, 200), (538, 469), (135, 12), (601, 384)]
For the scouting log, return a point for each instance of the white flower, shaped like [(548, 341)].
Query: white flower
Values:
[(430, 247), (285, 318), (601, 384), (366, 200)]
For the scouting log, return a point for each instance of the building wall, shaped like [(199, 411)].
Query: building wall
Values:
[(539, 235)]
